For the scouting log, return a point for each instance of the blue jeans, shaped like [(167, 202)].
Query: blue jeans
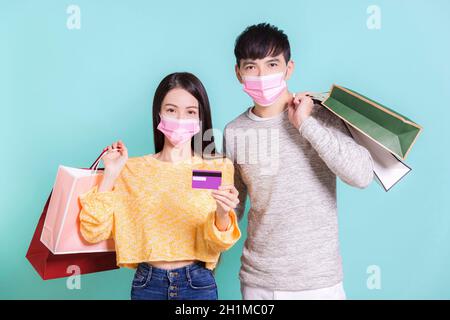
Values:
[(192, 282)]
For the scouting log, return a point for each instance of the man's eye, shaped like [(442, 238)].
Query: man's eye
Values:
[(273, 64), (248, 67)]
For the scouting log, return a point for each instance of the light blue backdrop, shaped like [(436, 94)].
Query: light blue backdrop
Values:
[(65, 94)]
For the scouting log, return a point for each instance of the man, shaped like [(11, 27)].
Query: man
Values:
[(287, 153)]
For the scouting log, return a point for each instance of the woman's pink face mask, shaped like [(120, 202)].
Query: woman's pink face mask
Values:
[(178, 131)]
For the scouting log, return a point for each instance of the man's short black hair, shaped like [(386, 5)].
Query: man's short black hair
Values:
[(261, 40)]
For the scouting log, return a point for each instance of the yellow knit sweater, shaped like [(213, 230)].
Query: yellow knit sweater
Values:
[(154, 214)]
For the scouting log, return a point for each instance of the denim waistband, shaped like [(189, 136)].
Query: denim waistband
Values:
[(165, 272)]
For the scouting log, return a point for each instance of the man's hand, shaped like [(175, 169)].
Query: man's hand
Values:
[(300, 108)]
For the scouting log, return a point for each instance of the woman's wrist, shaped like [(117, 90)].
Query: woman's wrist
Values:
[(222, 221), (107, 182)]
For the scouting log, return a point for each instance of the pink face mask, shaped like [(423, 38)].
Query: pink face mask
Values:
[(178, 131), (265, 90)]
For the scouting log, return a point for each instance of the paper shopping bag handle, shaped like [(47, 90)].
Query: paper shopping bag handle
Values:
[(94, 166)]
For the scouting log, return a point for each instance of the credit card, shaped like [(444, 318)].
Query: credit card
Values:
[(206, 179)]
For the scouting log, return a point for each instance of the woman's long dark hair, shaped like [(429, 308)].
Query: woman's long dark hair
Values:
[(193, 85)]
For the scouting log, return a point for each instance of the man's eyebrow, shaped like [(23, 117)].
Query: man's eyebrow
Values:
[(274, 60), (246, 62)]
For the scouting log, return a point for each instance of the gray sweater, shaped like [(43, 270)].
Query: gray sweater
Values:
[(290, 176)]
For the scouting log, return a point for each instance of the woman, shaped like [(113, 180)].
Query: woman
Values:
[(172, 233)]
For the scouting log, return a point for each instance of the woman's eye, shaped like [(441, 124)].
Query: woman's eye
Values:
[(192, 112), (170, 110)]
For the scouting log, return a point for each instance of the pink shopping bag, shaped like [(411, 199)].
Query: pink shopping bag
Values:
[(61, 231)]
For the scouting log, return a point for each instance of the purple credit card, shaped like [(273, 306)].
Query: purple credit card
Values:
[(206, 179)]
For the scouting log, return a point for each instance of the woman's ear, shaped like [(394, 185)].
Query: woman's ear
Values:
[(290, 69), (238, 75)]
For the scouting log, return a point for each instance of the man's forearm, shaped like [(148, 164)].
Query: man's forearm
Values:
[(346, 159)]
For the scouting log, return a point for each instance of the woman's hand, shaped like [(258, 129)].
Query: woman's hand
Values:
[(300, 108), (226, 198), (115, 158)]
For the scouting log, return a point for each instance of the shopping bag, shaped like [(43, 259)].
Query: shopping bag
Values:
[(388, 170), (61, 233), (386, 134), (51, 266), (386, 127)]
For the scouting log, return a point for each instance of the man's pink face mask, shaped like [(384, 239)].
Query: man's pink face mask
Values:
[(265, 90)]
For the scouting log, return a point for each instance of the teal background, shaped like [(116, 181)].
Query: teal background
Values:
[(65, 94)]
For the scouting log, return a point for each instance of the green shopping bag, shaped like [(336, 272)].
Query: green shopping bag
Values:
[(391, 130), (386, 134)]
